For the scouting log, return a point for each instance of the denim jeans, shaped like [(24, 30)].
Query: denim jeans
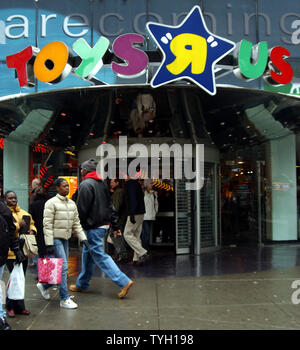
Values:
[(61, 250), (2, 312), (95, 255), (146, 232)]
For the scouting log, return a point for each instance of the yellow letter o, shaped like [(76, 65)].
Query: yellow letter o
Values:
[(52, 63)]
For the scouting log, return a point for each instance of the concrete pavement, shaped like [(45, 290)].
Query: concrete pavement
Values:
[(258, 300)]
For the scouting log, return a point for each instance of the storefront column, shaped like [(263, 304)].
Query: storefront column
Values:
[(283, 185), (281, 191), (16, 170)]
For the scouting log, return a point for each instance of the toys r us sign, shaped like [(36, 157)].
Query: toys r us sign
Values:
[(190, 51)]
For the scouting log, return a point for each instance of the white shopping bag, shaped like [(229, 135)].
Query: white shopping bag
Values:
[(16, 283)]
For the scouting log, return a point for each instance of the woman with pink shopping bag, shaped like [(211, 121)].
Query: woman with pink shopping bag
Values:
[(60, 221)]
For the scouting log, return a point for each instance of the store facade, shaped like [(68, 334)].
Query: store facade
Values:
[(244, 114)]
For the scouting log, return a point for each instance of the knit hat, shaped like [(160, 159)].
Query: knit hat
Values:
[(89, 165), (147, 182)]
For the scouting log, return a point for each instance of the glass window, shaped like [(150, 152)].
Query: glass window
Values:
[(279, 25)]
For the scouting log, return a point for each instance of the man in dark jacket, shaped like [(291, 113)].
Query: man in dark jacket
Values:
[(96, 212), (136, 209), (8, 239)]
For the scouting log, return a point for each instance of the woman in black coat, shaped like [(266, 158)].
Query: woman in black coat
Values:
[(36, 209), (8, 239)]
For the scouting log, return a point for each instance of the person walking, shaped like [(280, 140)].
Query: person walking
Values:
[(96, 212), (23, 224), (151, 207), (35, 184), (118, 201), (8, 240), (60, 220), (136, 209), (36, 209)]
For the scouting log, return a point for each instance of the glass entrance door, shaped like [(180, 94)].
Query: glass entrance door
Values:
[(242, 209), (197, 213), (208, 207)]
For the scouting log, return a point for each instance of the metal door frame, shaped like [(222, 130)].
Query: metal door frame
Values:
[(178, 250)]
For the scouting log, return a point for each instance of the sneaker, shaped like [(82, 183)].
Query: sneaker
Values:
[(125, 290), (68, 304), (143, 259), (44, 292), (73, 288), (25, 312), (10, 313)]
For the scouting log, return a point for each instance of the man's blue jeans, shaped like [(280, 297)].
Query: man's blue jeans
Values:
[(2, 312), (95, 255), (61, 250)]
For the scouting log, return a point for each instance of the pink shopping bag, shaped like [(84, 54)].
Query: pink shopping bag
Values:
[(49, 270)]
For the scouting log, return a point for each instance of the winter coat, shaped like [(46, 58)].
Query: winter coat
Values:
[(134, 198), (18, 214), (94, 204), (8, 239), (118, 202), (151, 205), (61, 220), (36, 209)]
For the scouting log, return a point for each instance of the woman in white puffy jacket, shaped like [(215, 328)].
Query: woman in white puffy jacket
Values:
[(61, 219), (151, 206)]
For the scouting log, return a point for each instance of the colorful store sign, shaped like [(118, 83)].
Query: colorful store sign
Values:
[(190, 51), (259, 60)]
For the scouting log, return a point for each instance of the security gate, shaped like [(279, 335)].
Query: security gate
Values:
[(184, 220)]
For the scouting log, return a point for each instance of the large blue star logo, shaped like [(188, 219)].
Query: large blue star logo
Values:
[(190, 51)]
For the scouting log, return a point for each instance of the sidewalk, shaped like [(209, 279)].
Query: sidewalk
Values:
[(256, 300)]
